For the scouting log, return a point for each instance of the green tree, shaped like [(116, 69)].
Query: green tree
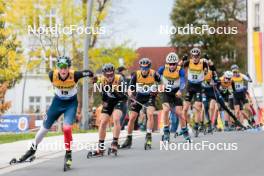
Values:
[(100, 56), (213, 13)]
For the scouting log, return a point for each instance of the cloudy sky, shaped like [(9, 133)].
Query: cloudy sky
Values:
[(139, 22)]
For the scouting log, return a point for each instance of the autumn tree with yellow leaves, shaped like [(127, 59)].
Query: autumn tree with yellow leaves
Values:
[(11, 59), (21, 14)]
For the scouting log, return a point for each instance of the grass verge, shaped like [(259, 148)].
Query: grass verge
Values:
[(13, 137)]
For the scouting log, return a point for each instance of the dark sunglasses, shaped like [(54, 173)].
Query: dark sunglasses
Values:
[(172, 64), (146, 68)]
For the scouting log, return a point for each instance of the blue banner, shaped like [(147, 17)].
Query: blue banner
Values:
[(14, 123)]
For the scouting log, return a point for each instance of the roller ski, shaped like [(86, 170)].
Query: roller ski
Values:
[(127, 144), (95, 154), (113, 149), (227, 128), (148, 142), (176, 134), (67, 161), (29, 156), (186, 135), (202, 129), (196, 130), (209, 129), (166, 136)]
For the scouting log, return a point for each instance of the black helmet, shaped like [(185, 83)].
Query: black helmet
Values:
[(195, 51), (108, 68), (145, 62), (120, 69), (63, 61)]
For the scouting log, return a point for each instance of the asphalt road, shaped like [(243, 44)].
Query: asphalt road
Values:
[(247, 160)]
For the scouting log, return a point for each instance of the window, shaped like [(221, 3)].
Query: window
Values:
[(50, 18), (47, 21), (34, 104), (34, 22), (256, 17)]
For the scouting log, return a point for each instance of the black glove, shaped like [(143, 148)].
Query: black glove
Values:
[(185, 57), (88, 73), (206, 56)]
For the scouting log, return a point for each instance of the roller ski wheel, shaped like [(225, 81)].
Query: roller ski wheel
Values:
[(196, 133), (202, 128), (67, 161), (176, 135), (147, 145), (188, 139), (210, 131), (95, 154), (166, 137), (112, 151), (205, 131), (186, 136), (66, 167), (13, 161)]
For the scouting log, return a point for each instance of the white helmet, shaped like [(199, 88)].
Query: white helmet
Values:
[(172, 58), (195, 51), (228, 74)]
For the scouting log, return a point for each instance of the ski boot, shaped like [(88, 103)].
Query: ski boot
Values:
[(27, 157), (67, 161), (186, 135), (209, 128), (166, 136), (226, 127), (196, 130), (148, 141), (113, 148), (202, 128), (127, 144)]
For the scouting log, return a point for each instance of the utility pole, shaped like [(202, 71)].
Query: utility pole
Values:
[(85, 97)]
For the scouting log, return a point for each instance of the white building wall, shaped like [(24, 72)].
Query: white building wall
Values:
[(257, 89), (37, 85)]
